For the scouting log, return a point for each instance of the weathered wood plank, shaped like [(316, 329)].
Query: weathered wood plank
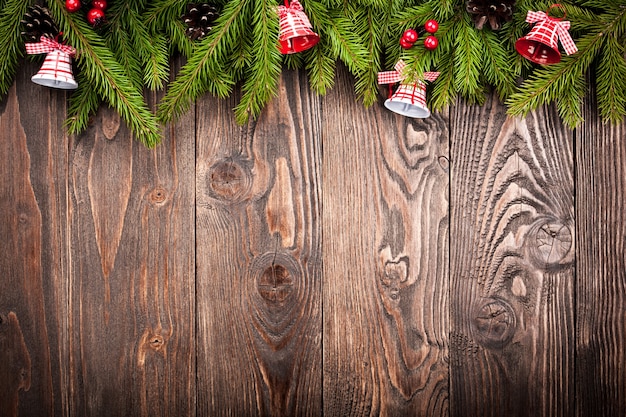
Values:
[(132, 271), (385, 228), (33, 242), (601, 266), (512, 253), (258, 257)]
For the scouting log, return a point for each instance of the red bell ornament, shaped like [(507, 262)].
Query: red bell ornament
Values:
[(541, 44), (295, 33)]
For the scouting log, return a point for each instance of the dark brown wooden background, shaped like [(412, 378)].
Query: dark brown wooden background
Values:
[(326, 259)]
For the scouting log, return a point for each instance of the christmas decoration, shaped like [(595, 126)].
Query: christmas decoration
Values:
[(117, 66), (431, 26), (56, 70), (431, 42), (495, 12), (99, 4), (37, 22), (295, 29), (72, 6), (541, 44), (200, 18), (409, 37), (410, 97), (95, 17)]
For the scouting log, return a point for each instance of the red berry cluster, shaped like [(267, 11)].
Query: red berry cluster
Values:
[(410, 36), (95, 15)]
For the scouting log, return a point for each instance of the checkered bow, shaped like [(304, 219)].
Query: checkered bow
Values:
[(551, 30), (46, 45), (392, 77), (293, 21)]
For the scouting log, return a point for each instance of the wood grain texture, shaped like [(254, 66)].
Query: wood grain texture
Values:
[(132, 293), (385, 228), (33, 213), (512, 253), (601, 266), (258, 256)]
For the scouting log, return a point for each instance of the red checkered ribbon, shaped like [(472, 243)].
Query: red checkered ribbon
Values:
[(392, 77), (551, 29), (46, 45), (293, 21)]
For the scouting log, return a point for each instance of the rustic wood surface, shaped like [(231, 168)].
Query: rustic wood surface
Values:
[(259, 278), (385, 228), (601, 267), (325, 259), (512, 264)]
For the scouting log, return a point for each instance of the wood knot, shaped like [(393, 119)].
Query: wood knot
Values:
[(229, 180), (395, 274), (551, 243), (158, 196), (155, 341), (444, 163), (494, 323), (275, 284)]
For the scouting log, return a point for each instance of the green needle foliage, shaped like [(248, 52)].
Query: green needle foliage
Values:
[(115, 64), (11, 44)]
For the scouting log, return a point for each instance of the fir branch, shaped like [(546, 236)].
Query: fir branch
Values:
[(444, 92), (119, 41), (366, 82), (321, 67), (264, 71), (11, 45), (611, 80), (107, 76), (468, 60), (83, 103), (497, 66), (205, 70), (345, 42), (164, 16)]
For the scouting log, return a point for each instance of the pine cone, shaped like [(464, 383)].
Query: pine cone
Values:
[(199, 19), (494, 12), (38, 22)]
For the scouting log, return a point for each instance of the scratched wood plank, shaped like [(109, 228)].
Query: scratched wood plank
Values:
[(601, 267), (385, 228), (512, 272), (33, 242), (258, 257), (131, 282)]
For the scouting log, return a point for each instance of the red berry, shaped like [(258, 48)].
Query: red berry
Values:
[(405, 44), (72, 5), (431, 42), (431, 26), (410, 36), (95, 17), (99, 4)]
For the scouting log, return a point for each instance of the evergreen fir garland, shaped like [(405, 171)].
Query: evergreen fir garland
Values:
[(132, 50)]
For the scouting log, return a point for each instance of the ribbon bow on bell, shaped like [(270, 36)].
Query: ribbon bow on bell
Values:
[(46, 45), (392, 77), (548, 25)]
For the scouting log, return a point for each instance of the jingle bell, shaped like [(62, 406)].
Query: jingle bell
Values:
[(56, 71), (295, 33), (541, 44), (409, 100)]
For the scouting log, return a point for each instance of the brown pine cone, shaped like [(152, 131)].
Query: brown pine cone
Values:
[(38, 22), (494, 12), (199, 19)]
